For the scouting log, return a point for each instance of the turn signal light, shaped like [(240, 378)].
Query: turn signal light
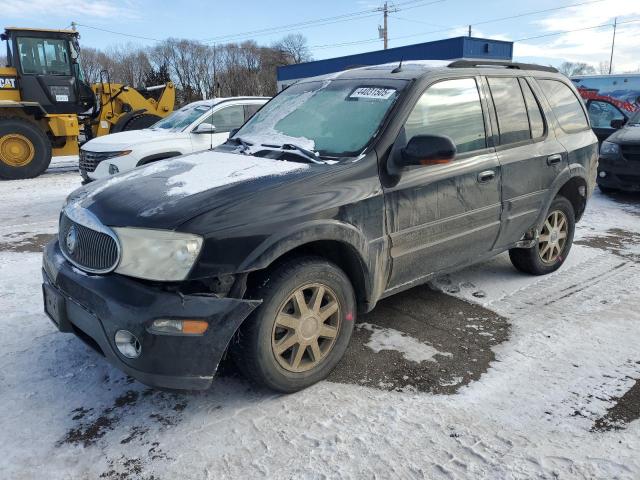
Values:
[(179, 327)]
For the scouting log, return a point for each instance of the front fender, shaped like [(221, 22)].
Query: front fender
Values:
[(278, 244)]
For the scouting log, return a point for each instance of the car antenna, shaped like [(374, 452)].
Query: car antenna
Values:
[(398, 69)]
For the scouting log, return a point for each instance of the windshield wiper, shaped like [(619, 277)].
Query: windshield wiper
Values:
[(302, 152)]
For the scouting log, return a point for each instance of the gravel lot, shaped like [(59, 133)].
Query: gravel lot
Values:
[(485, 373)]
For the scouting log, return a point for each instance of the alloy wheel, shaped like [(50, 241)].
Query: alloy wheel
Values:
[(306, 327), (553, 236)]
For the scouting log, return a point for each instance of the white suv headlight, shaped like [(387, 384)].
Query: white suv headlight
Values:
[(157, 254)]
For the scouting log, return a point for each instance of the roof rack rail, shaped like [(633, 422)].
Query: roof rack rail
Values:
[(470, 63)]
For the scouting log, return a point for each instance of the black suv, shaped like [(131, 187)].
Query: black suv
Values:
[(342, 190), (619, 166)]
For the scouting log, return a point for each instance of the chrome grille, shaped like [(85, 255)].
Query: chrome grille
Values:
[(93, 251), (631, 152), (89, 160)]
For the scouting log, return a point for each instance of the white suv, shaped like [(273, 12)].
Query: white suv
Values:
[(194, 127)]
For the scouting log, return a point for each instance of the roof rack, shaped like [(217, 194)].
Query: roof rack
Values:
[(470, 63)]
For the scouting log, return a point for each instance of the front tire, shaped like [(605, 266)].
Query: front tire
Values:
[(301, 330), (554, 241), (25, 150)]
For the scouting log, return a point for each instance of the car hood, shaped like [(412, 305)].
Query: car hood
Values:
[(627, 134), (127, 140), (167, 193)]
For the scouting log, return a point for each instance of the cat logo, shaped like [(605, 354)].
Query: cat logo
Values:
[(7, 82)]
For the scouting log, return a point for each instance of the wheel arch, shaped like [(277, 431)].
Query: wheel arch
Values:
[(337, 242), (574, 186)]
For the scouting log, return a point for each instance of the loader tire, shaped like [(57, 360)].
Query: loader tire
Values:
[(141, 121), (25, 150)]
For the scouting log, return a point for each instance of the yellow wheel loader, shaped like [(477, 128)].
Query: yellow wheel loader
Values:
[(46, 106)]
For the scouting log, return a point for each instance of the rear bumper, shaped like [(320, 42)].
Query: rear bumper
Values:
[(95, 307), (621, 174)]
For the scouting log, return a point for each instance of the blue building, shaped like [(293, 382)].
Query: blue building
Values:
[(450, 48)]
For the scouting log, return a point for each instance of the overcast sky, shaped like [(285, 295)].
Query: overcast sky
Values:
[(415, 22)]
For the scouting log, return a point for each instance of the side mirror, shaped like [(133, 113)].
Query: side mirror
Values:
[(428, 150), (618, 123), (204, 128)]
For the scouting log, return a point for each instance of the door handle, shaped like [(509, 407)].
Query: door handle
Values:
[(486, 176), (554, 159)]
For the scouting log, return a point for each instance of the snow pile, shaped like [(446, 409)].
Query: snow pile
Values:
[(390, 339), (215, 169)]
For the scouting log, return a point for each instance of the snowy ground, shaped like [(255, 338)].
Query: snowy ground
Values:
[(501, 376)]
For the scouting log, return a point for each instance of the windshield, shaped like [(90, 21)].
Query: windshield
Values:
[(44, 56), (181, 119), (335, 118)]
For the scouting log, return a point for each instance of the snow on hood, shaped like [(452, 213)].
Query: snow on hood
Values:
[(215, 169), (123, 140), (202, 171)]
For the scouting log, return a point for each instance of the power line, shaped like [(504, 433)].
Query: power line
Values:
[(446, 29), (117, 33), (319, 22), (577, 30)]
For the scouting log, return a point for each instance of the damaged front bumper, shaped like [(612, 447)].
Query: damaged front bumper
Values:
[(95, 307)]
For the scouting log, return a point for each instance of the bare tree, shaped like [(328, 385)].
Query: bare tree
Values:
[(92, 62), (603, 67), (295, 47), (198, 70), (576, 68), (3, 60)]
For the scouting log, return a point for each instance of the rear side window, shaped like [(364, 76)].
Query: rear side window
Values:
[(452, 108), (513, 121), (536, 121), (565, 105), (250, 109)]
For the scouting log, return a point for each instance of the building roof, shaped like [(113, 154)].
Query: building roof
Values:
[(450, 48)]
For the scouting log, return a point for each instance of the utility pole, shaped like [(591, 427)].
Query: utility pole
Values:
[(386, 29), (613, 43), (469, 30), (383, 32)]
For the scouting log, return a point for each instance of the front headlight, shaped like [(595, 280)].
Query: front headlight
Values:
[(157, 254), (609, 148)]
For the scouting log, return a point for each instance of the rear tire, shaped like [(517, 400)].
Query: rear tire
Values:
[(139, 122), (25, 150), (285, 346), (554, 241)]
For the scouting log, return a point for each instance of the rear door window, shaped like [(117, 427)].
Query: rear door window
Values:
[(227, 118), (565, 105), (511, 110), (452, 108), (536, 119)]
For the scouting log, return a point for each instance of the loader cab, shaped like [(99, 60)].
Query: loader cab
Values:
[(48, 69)]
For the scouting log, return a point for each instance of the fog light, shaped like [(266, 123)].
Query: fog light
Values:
[(178, 327), (113, 169), (127, 343), (602, 174)]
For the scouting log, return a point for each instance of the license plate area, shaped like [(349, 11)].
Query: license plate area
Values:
[(55, 307)]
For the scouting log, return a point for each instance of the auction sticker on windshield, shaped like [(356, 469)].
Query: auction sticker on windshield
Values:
[(373, 92)]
